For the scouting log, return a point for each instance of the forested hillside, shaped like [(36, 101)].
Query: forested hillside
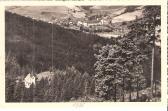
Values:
[(70, 47)]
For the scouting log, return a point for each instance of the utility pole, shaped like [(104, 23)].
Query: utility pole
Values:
[(153, 55), (52, 45), (33, 62)]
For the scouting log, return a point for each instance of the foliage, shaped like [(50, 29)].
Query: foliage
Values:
[(115, 62), (130, 9), (125, 58), (65, 85), (145, 33), (146, 26)]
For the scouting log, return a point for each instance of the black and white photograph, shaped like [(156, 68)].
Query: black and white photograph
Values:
[(83, 53)]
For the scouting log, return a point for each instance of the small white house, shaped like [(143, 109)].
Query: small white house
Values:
[(79, 23), (85, 24), (104, 22), (29, 80)]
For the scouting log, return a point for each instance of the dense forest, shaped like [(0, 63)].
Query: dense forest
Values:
[(71, 47), (86, 67)]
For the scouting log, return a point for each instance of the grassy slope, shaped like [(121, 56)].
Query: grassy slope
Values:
[(64, 12)]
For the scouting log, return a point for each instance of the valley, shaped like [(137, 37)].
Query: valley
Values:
[(67, 49)]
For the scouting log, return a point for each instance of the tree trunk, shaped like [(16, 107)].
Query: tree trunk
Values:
[(123, 99), (152, 69), (155, 87), (130, 99), (137, 89), (22, 94), (115, 91), (34, 93)]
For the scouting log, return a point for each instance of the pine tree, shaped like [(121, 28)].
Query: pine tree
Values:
[(147, 32), (153, 13), (115, 62)]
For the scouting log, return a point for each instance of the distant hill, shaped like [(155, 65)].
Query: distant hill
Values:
[(78, 12), (128, 16)]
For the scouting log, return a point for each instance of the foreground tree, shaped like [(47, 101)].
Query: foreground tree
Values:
[(118, 65), (125, 58), (153, 13), (146, 31)]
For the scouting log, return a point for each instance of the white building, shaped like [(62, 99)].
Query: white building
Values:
[(104, 22), (29, 80)]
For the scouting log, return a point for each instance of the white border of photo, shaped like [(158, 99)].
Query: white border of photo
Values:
[(83, 106)]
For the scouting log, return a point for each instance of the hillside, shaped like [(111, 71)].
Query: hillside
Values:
[(95, 19), (63, 12), (129, 16), (78, 13), (59, 12), (70, 47)]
